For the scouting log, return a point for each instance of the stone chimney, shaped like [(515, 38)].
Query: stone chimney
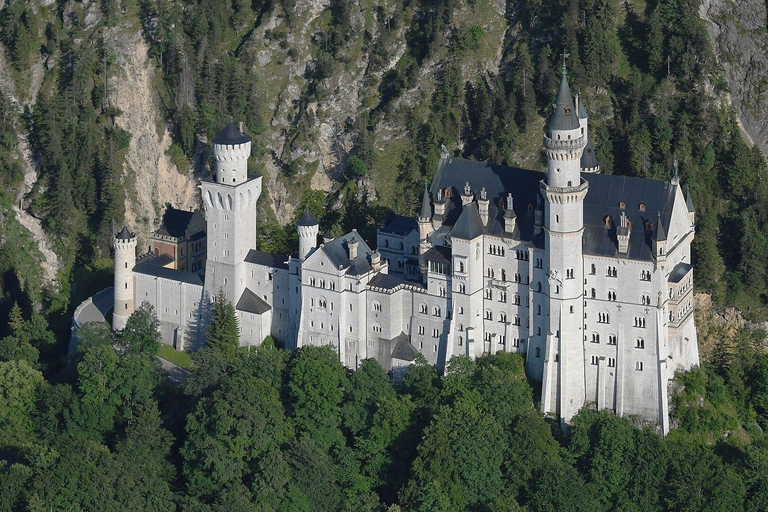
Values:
[(376, 260), (622, 233), (352, 248), (510, 219), (482, 206), (466, 197)]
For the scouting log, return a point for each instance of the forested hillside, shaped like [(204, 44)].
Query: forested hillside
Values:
[(267, 430), (349, 104), (106, 110)]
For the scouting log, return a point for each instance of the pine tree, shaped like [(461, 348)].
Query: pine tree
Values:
[(223, 332)]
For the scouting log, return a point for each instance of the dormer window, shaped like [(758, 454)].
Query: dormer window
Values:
[(607, 221), (567, 110), (622, 205), (642, 207)]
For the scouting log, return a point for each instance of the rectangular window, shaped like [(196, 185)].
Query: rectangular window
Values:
[(639, 366), (611, 362), (594, 360)]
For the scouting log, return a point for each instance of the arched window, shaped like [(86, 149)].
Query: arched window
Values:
[(502, 317), (595, 337), (436, 311), (639, 343), (611, 339), (376, 306), (612, 295), (488, 314), (376, 327), (538, 352), (423, 308)]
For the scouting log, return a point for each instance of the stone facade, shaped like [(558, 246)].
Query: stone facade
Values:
[(587, 276)]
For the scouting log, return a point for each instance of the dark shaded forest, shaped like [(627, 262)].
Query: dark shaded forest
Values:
[(267, 429)]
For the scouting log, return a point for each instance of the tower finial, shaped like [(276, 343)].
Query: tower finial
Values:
[(564, 55), (676, 170)]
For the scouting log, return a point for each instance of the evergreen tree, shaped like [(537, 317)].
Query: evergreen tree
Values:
[(224, 331)]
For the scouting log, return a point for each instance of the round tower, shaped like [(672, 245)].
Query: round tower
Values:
[(563, 388), (125, 259), (231, 149), (308, 228)]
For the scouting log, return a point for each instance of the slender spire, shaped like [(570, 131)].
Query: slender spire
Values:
[(676, 177), (426, 209), (689, 200), (565, 116), (659, 233)]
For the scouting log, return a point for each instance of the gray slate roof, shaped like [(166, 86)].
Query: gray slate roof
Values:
[(231, 135), (337, 251), (152, 268), (659, 233), (680, 270), (565, 116), (468, 226), (605, 194), (588, 157), (398, 224), (174, 222), (252, 303), (124, 234), (439, 253), (267, 259), (426, 208), (403, 349), (387, 282), (582, 111), (307, 219)]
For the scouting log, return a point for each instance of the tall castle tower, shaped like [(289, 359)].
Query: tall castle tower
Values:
[(125, 259), (307, 228), (563, 387), (230, 206)]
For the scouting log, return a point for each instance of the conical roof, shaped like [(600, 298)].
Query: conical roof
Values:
[(124, 234), (564, 117), (469, 225), (659, 233), (426, 209), (582, 111), (689, 200), (588, 158), (307, 219), (231, 135)]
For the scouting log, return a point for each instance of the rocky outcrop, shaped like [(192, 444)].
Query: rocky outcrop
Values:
[(740, 40), (152, 177)]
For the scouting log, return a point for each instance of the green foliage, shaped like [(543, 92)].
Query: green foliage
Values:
[(223, 332), (19, 386)]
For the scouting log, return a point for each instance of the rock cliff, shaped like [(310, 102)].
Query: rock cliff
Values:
[(739, 33)]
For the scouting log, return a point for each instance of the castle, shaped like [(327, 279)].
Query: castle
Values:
[(587, 276)]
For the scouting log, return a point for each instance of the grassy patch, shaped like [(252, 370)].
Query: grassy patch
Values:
[(182, 359)]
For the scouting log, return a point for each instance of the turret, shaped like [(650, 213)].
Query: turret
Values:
[(689, 205), (231, 149), (308, 228), (425, 225), (565, 140), (439, 215), (483, 205), (659, 238), (124, 243)]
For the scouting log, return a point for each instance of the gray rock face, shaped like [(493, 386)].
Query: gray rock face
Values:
[(739, 32)]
